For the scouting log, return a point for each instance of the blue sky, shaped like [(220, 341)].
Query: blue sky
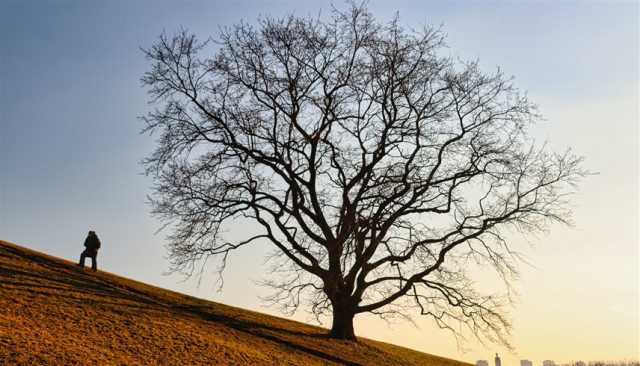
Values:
[(70, 145)]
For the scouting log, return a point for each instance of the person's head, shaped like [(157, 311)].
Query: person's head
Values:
[(92, 233)]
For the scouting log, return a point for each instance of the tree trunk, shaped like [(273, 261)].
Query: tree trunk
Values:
[(342, 327)]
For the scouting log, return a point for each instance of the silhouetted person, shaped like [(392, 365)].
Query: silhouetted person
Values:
[(91, 245)]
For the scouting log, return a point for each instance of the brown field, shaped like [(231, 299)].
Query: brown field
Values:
[(54, 313)]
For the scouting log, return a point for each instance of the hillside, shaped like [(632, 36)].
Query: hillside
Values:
[(54, 313)]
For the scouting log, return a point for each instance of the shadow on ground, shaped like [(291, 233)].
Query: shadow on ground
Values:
[(56, 308)]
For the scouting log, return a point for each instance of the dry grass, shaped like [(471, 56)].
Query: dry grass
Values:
[(54, 313)]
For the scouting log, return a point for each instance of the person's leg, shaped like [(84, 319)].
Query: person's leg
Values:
[(83, 257), (94, 262)]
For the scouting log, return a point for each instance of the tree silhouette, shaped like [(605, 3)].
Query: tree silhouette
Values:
[(377, 168)]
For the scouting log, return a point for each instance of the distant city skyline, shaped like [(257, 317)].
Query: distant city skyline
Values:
[(498, 362), (547, 362)]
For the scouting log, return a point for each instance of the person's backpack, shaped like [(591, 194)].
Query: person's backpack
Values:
[(92, 242)]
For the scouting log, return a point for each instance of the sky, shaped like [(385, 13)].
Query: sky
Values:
[(70, 151)]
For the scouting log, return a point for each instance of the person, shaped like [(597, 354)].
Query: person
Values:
[(91, 245)]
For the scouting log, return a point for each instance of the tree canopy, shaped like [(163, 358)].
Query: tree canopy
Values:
[(377, 168)]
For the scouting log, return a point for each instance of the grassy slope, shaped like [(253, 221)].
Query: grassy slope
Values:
[(52, 312)]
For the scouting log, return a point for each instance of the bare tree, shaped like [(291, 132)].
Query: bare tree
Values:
[(378, 169)]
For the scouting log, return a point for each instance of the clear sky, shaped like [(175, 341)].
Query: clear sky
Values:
[(70, 149)]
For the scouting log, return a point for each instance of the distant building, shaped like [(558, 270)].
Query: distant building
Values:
[(498, 360), (548, 363), (526, 363), (482, 363)]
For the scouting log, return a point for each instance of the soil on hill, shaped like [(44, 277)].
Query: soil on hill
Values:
[(54, 313)]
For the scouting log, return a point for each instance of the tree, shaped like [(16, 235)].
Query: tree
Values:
[(376, 168)]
